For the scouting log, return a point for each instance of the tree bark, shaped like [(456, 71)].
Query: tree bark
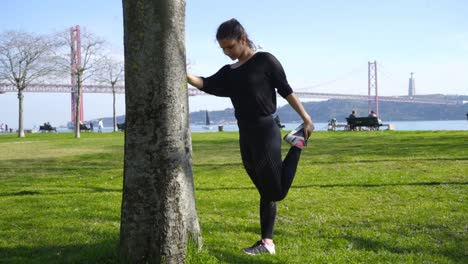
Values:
[(77, 106), (158, 207), (114, 117), (20, 114)]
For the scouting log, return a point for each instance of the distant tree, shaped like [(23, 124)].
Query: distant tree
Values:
[(25, 58), (111, 71), (158, 206), (91, 54)]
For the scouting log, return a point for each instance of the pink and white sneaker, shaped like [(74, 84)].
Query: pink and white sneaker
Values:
[(296, 137)]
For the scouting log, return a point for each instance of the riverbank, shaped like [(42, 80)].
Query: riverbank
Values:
[(445, 125), (442, 125)]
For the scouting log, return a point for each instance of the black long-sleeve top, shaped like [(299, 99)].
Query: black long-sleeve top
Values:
[(251, 86)]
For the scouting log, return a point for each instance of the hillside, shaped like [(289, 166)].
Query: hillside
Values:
[(340, 109)]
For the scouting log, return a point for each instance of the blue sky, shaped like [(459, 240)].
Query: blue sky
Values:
[(324, 46)]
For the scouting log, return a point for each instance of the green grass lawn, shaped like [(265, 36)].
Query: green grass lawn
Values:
[(358, 197)]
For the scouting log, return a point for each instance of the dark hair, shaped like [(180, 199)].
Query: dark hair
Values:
[(232, 29)]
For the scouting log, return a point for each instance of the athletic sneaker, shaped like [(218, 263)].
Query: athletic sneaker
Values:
[(260, 248), (296, 137)]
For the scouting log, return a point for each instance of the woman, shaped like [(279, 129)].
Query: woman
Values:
[(250, 83)]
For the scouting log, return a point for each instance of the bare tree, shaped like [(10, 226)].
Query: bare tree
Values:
[(91, 49), (25, 58), (111, 71), (158, 205)]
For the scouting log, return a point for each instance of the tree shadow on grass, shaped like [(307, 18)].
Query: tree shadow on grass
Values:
[(104, 252), (61, 192), (457, 254), (240, 258), (362, 185), (20, 193), (372, 185), (225, 188), (397, 159), (225, 165)]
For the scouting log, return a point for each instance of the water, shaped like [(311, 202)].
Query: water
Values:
[(398, 125), (430, 125)]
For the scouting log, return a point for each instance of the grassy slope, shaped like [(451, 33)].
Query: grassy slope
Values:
[(358, 197)]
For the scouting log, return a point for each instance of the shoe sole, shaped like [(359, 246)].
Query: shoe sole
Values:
[(294, 132)]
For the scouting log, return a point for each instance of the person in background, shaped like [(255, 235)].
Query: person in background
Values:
[(100, 126), (352, 115), (278, 122), (251, 83), (332, 124)]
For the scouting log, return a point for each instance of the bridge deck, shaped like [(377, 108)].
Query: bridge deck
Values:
[(68, 88)]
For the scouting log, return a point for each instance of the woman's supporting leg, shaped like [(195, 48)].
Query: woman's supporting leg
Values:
[(267, 218)]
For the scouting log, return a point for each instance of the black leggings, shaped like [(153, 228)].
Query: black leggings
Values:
[(260, 145)]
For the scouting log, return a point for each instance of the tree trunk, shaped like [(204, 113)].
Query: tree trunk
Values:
[(77, 107), (158, 207), (20, 114), (114, 118)]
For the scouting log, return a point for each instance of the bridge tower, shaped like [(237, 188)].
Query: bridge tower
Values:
[(372, 85), (75, 66)]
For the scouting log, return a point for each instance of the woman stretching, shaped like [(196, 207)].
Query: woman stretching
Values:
[(251, 84)]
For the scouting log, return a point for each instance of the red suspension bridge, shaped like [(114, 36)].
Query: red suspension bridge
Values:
[(68, 88), (372, 96), (373, 99)]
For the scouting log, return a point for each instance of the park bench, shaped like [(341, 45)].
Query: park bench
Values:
[(83, 127), (371, 122), (47, 128), (121, 127)]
